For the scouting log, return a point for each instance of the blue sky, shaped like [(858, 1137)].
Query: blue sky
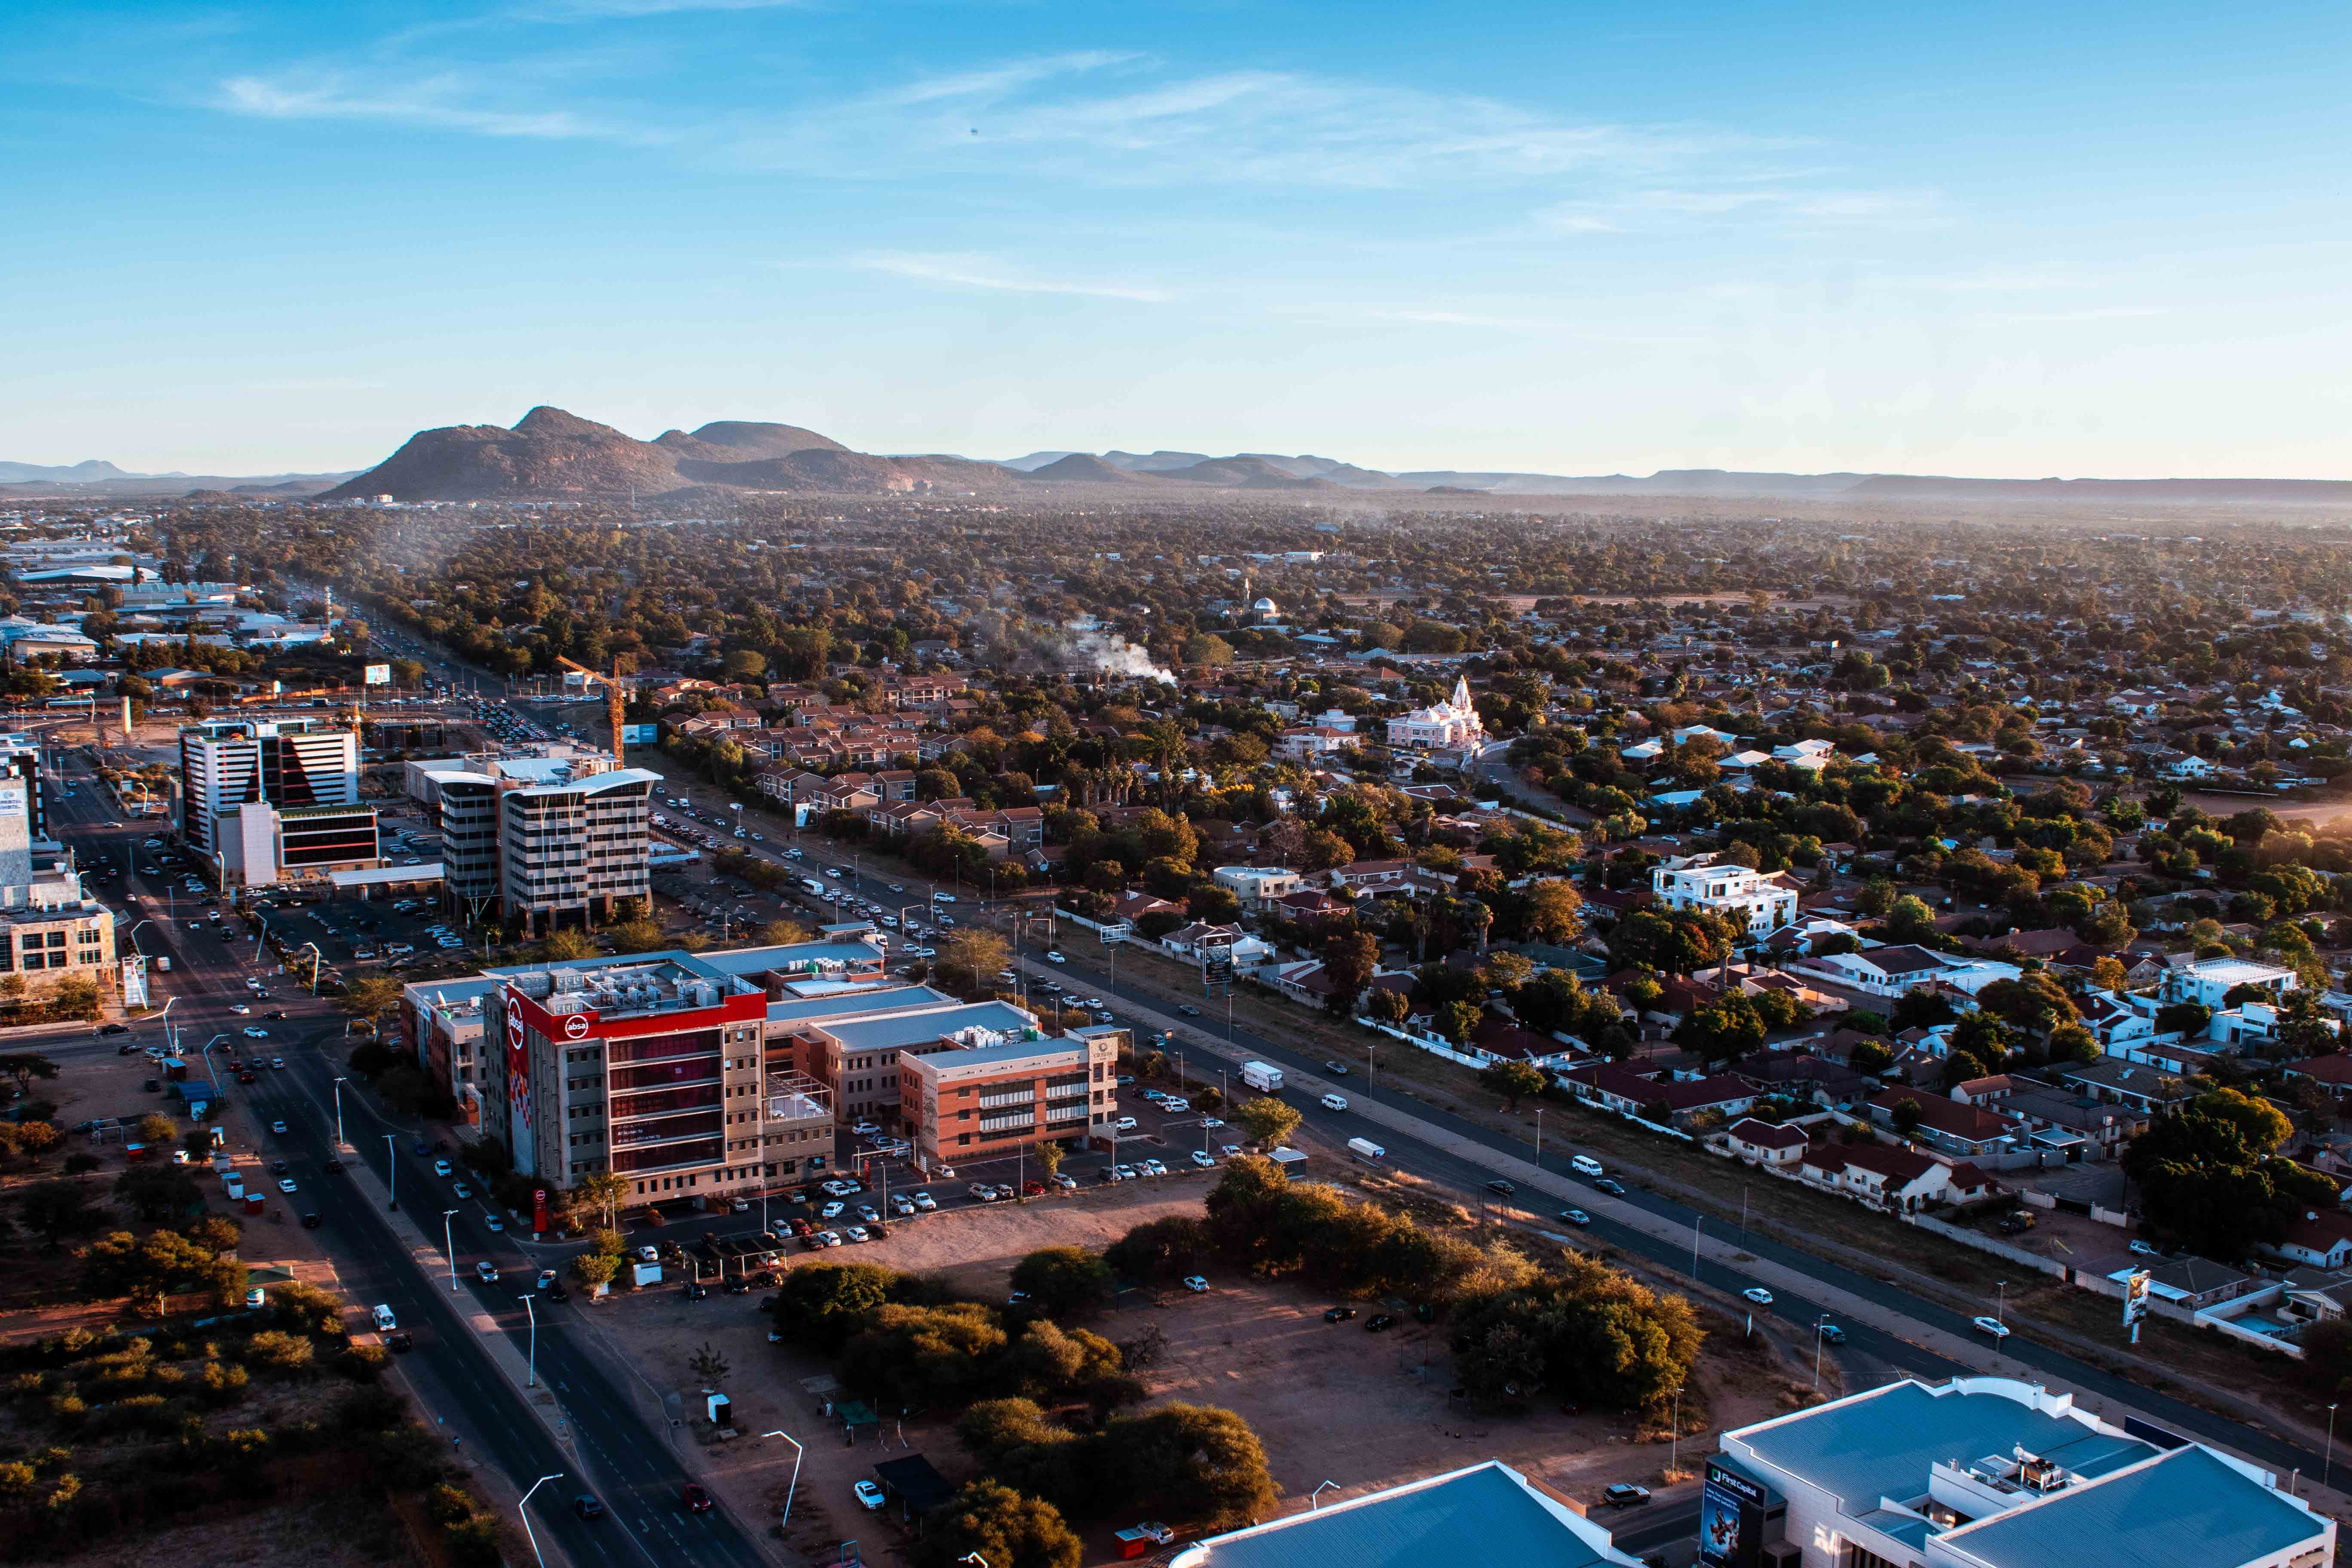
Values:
[(1995, 239)]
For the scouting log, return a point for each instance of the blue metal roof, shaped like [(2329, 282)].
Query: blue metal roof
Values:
[(887, 1034), (2187, 1509), (872, 999), (1485, 1513), (1884, 1444)]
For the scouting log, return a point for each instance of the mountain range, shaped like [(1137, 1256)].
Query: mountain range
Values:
[(553, 454)]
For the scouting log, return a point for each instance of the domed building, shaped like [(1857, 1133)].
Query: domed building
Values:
[(1265, 612)]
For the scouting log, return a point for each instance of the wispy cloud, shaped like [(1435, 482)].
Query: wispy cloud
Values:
[(439, 101), (969, 271), (1669, 209), (996, 81)]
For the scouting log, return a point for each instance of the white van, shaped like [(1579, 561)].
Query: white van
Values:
[(1585, 1165), (384, 1321), (1335, 1102)]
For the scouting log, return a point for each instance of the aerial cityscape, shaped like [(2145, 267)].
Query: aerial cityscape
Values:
[(1397, 774)]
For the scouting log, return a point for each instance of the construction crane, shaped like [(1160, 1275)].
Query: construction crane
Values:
[(612, 699)]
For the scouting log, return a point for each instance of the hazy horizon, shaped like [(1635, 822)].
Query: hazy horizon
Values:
[(2004, 242)]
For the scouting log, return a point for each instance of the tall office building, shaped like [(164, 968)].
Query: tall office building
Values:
[(287, 762), (20, 757), (541, 837)]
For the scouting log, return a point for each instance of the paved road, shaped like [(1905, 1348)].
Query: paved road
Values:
[(623, 1458), (2018, 1357)]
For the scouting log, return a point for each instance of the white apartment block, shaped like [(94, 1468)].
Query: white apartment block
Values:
[(1748, 897), (542, 837), (286, 763)]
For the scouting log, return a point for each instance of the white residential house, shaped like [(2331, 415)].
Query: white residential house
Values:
[(2209, 980), (1257, 885), (1754, 901)]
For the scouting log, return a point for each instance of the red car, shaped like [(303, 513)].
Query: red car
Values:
[(697, 1501), (1033, 1189)]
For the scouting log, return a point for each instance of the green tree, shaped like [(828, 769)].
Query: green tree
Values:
[(1554, 911), (1267, 1120), (25, 1067), (1457, 1021), (2206, 1174), (162, 1263), (602, 1192), (1906, 1115), (58, 1211), (1063, 1281), (1910, 920), (1511, 1081), (371, 996), (155, 1130), (157, 1194), (637, 936), (820, 1306), (1350, 957), (1726, 1031), (566, 946), (1001, 1527), (595, 1268)]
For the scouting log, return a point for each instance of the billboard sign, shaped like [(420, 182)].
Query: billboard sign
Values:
[(1730, 1520), (640, 734), (1217, 965), (2136, 1300), (519, 1128), (377, 675)]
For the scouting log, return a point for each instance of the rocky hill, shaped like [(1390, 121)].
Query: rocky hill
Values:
[(1083, 468), (550, 454)]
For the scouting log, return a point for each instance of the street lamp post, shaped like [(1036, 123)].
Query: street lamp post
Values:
[(209, 1073), (391, 1174), (522, 1511), (2000, 1303), (1674, 1439), (338, 1114), (2327, 1463), (1818, 1327), (449, 1240), (798, 1453), (1539, 1136), (530, 1311)]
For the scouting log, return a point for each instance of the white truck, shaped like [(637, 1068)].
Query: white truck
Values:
[(1365, 1149), (1261, 1077)]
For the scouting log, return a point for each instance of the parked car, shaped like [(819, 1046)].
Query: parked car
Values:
[(1624, 1494), (1379, 1323), (869, 1495)]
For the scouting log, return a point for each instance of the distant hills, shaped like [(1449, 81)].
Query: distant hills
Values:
[(550, 454)]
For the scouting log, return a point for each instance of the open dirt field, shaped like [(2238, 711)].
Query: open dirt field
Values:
[(1330, 1402)]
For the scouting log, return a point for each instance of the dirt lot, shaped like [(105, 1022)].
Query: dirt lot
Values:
[(96, 1084), (1329, 1401)]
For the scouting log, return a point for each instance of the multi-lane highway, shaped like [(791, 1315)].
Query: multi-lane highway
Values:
[(616, 1451)]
